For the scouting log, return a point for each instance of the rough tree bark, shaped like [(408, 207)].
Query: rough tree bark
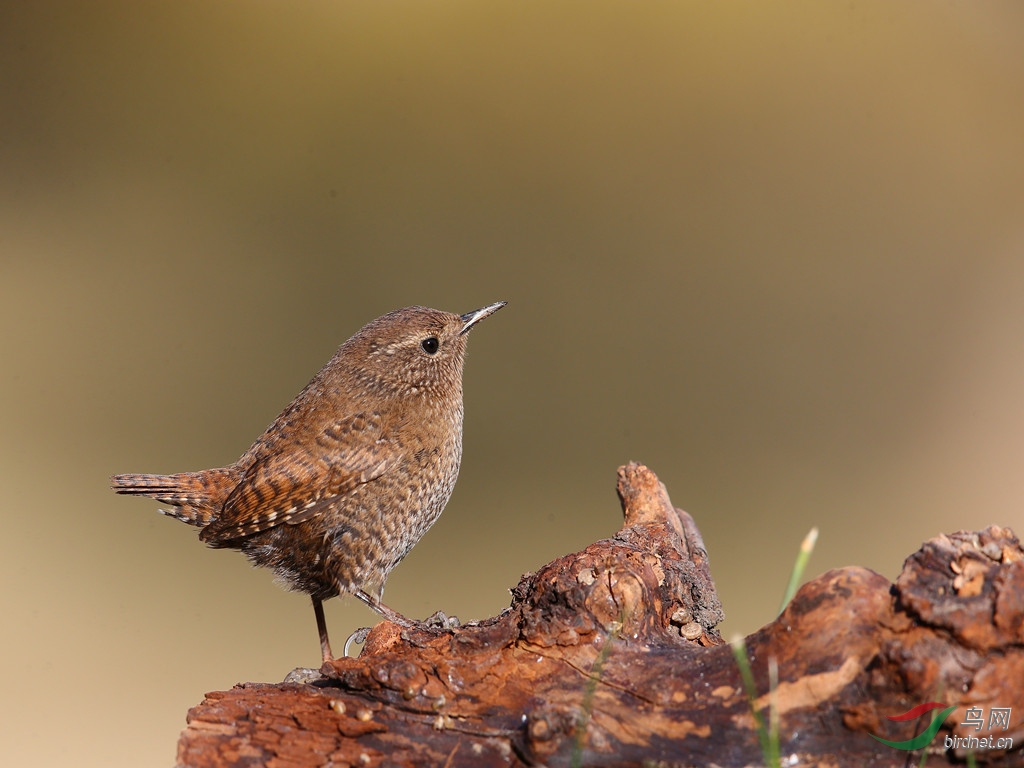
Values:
[(610, 656)]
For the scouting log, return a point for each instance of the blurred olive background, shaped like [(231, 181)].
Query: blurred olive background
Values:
[(774, 251)]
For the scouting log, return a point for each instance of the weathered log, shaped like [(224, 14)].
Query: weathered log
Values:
[(610, 656)]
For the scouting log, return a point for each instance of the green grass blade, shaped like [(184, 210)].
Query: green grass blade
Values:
[(806, 548), (769, 739)]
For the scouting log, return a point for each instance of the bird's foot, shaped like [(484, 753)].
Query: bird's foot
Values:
[(441, 620), (359, 636), (303, 675)]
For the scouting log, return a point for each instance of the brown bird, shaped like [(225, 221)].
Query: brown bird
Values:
[(353, 472)]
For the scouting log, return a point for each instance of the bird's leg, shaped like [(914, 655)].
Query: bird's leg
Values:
[(393, 616), (321, 627)]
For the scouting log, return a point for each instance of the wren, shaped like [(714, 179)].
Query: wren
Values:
[(352, 474)]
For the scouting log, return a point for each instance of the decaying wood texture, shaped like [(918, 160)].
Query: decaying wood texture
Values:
[(610, 656)]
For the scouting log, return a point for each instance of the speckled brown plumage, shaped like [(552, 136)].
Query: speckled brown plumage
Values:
[(352, 473)]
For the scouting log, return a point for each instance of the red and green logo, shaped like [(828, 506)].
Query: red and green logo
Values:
[(923, 738)]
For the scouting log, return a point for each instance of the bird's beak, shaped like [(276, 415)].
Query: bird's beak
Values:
[(472, 318)]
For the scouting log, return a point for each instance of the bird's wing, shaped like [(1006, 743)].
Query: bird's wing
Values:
[(296, 485)]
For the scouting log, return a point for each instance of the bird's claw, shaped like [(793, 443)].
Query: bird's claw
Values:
[(359, 636)]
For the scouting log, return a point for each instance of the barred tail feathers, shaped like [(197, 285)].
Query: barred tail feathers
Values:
[(195, 497)]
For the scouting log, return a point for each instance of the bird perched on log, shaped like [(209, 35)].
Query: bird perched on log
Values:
[(352, 474)]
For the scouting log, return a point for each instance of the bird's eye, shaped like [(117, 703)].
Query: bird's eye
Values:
[(429, 345)]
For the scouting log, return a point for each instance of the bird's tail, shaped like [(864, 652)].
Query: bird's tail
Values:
[(195, 497)]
